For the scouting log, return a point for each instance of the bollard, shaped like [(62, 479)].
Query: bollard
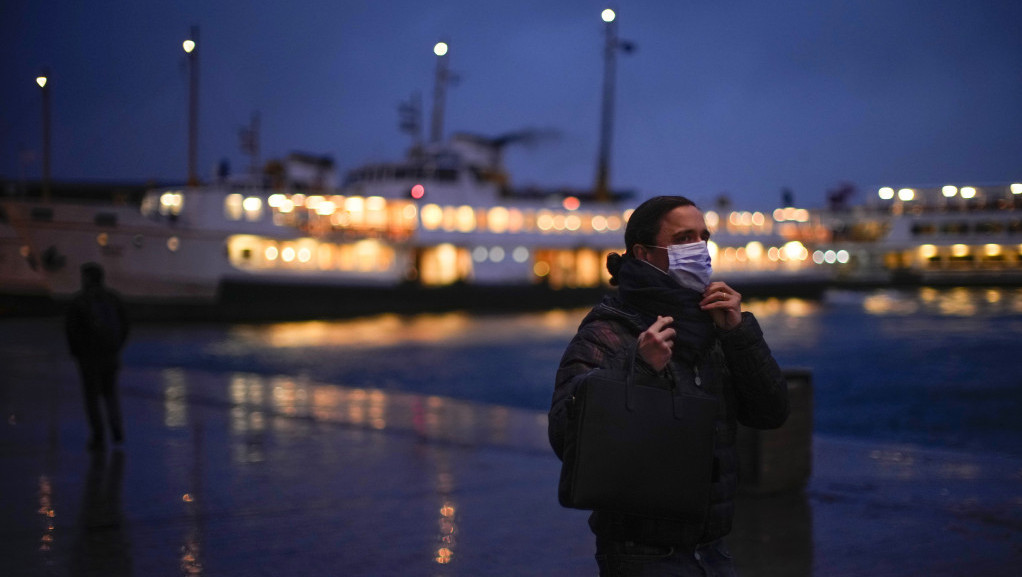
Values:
[(778, 460)]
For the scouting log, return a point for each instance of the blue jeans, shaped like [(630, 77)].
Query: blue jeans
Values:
[(629, 559)]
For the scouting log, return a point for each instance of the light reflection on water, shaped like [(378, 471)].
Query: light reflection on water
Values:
[(916, 365), (259, 404), (952, 302), (390, 330)]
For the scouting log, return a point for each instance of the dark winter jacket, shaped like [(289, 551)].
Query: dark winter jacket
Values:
[(96, 326), (739, 370)]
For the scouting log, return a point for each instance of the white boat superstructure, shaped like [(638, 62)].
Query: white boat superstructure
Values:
[(443, 217)]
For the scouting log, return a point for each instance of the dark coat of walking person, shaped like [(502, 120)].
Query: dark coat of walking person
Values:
[(689, 330), (97, 327)]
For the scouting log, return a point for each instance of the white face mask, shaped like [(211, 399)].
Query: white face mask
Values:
[(689, 264)]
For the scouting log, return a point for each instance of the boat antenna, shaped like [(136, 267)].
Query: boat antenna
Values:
[(249, 136), (410, 117)]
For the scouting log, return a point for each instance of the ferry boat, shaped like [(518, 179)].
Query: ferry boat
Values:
[(440, 229), (938, 236), (22, 285)]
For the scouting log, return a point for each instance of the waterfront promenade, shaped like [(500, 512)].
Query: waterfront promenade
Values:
[(226, 475)]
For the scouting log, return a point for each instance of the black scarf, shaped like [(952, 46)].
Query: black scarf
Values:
[(652, 292)]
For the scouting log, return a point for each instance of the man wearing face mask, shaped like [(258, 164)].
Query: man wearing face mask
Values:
[(692, 331)]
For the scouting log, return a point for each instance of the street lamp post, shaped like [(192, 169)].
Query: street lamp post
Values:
[(43, 82), (610, 48), (191, 49), (439, 92)]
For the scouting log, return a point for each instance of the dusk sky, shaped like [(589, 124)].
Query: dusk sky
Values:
[(740, 97)]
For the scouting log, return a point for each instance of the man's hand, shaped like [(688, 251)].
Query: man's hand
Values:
[(656, 343), (724, 304)]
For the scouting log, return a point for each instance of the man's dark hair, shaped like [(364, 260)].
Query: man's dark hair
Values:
[(643, 227), (92, 274)]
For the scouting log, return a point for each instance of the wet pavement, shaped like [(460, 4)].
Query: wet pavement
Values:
[(235, 474)]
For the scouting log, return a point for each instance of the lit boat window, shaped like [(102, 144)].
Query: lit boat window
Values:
[(313, 202), (712, 220), (232, 207), (497, 254), (740, 255), (171, 203), (545, 221), (559, 222), (520, 254), (408, 213), (376, 215), (754, 250), (906, 194), (326, 208), (968, 192), (355, 207), (498, 218), (572, 222), (886, 193), (949, 191), (795, 250), (253, 206), (432, 216), (450, 219), (325, 256), (466, 219), (515, 220), (541, 269)]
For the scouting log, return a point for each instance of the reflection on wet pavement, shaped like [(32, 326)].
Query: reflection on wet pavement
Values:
[(241, 474)]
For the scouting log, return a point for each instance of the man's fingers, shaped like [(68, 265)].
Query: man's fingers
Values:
[(660, 323)]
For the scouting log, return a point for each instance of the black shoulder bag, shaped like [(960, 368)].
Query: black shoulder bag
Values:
[(636, 444)]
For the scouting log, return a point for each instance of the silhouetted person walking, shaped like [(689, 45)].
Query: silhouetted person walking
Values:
[(97, 328)]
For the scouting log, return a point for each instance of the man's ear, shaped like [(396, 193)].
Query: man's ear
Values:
[(640, 252)]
